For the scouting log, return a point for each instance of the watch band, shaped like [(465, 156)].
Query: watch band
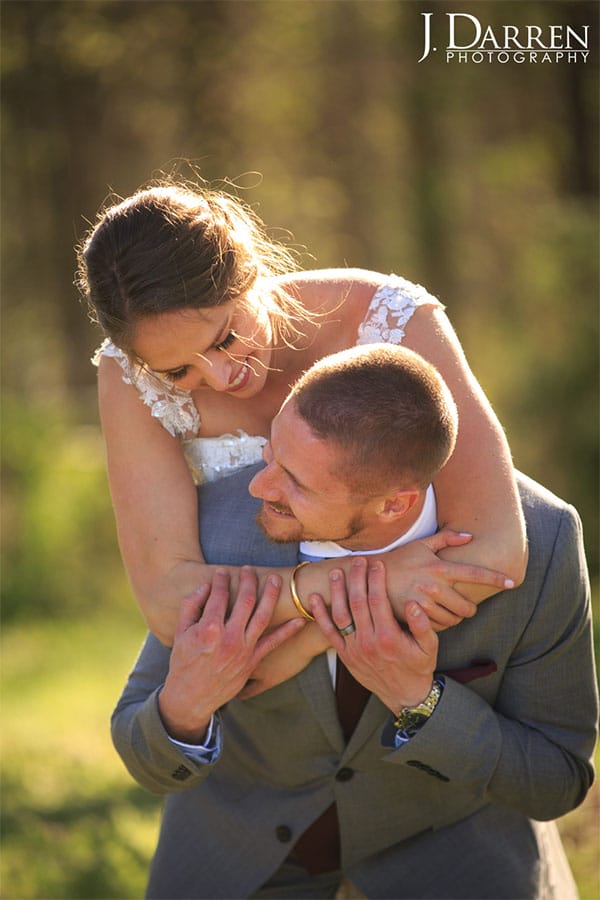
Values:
[(411, 718)]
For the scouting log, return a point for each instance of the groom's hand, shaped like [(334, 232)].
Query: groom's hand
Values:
[(213, 653), (395, 664)]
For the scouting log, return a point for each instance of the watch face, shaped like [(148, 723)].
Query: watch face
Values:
[(408, 720), (411, 719)]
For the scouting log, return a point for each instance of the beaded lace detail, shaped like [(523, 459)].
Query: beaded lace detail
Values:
[(175, 408), (390, 309), (212, 458)]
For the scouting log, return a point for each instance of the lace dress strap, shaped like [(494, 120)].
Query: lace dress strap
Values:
[(174, 407), (391, 307)]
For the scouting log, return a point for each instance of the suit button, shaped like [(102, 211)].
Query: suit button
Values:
[(344, 774), (284, 834)]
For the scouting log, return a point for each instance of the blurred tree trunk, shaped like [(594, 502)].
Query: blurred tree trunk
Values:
[(429, 200), (344, 144), (581, 164)]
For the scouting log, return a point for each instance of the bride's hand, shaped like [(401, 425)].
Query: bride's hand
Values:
[(416, 572), (286, 661)]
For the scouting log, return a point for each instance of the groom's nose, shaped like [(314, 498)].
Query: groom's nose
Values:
[(264, 484), (254, 486)]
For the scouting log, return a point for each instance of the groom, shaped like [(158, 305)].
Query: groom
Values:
[(465, 742)]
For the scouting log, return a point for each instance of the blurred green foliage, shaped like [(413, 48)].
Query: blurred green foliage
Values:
[(479, 181), (60, 555), (74, 824)]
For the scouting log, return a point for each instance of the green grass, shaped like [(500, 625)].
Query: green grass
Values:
[(74, 824), (580, 831)]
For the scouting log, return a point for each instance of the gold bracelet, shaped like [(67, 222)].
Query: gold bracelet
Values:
[(296, 599)]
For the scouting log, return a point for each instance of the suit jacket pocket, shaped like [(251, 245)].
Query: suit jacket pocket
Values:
[(478, 668)]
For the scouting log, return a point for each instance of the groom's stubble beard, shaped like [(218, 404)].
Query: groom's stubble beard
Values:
[(355, 526)]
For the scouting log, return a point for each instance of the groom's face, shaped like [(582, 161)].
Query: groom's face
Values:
[(303, 497)]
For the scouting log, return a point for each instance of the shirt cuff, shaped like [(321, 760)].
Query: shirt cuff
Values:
[(207, 752), (392, 738)]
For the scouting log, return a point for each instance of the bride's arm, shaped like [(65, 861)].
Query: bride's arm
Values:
[(154, 502), (476, 490)]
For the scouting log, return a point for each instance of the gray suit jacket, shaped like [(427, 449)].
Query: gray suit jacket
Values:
[(450, 813)]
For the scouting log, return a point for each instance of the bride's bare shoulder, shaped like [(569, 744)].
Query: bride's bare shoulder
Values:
[(325, 290)]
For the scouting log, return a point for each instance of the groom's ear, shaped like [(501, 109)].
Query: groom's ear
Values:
[(397, 503)]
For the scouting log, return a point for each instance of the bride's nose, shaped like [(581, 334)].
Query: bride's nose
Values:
[(217, 371)]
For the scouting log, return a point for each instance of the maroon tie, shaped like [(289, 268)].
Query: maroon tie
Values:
[(351, 699), (318, 849)]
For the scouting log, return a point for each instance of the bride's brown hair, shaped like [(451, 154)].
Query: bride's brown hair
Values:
[(173, 246)]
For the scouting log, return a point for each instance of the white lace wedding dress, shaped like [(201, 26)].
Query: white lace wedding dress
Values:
[(391, 307)]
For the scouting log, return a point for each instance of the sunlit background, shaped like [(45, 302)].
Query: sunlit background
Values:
[(478, 181)]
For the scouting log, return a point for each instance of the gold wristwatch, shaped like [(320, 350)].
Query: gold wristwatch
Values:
[(411, 718)]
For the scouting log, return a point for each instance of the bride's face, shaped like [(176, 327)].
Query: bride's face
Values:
[(225, 348)]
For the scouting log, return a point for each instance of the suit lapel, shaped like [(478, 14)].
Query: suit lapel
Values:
[(315, 683), (372, 720)]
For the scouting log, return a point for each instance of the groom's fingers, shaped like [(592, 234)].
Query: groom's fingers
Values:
[(218, 598), (340, 611), (245, 599), (328, 628), (379, 604), (359, 607), (190, 609), (421, 629), (264, 608)]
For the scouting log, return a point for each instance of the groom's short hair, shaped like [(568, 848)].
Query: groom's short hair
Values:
[(386, 408)]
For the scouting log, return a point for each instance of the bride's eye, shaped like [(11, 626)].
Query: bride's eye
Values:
[(177, 374), (226, 342)]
